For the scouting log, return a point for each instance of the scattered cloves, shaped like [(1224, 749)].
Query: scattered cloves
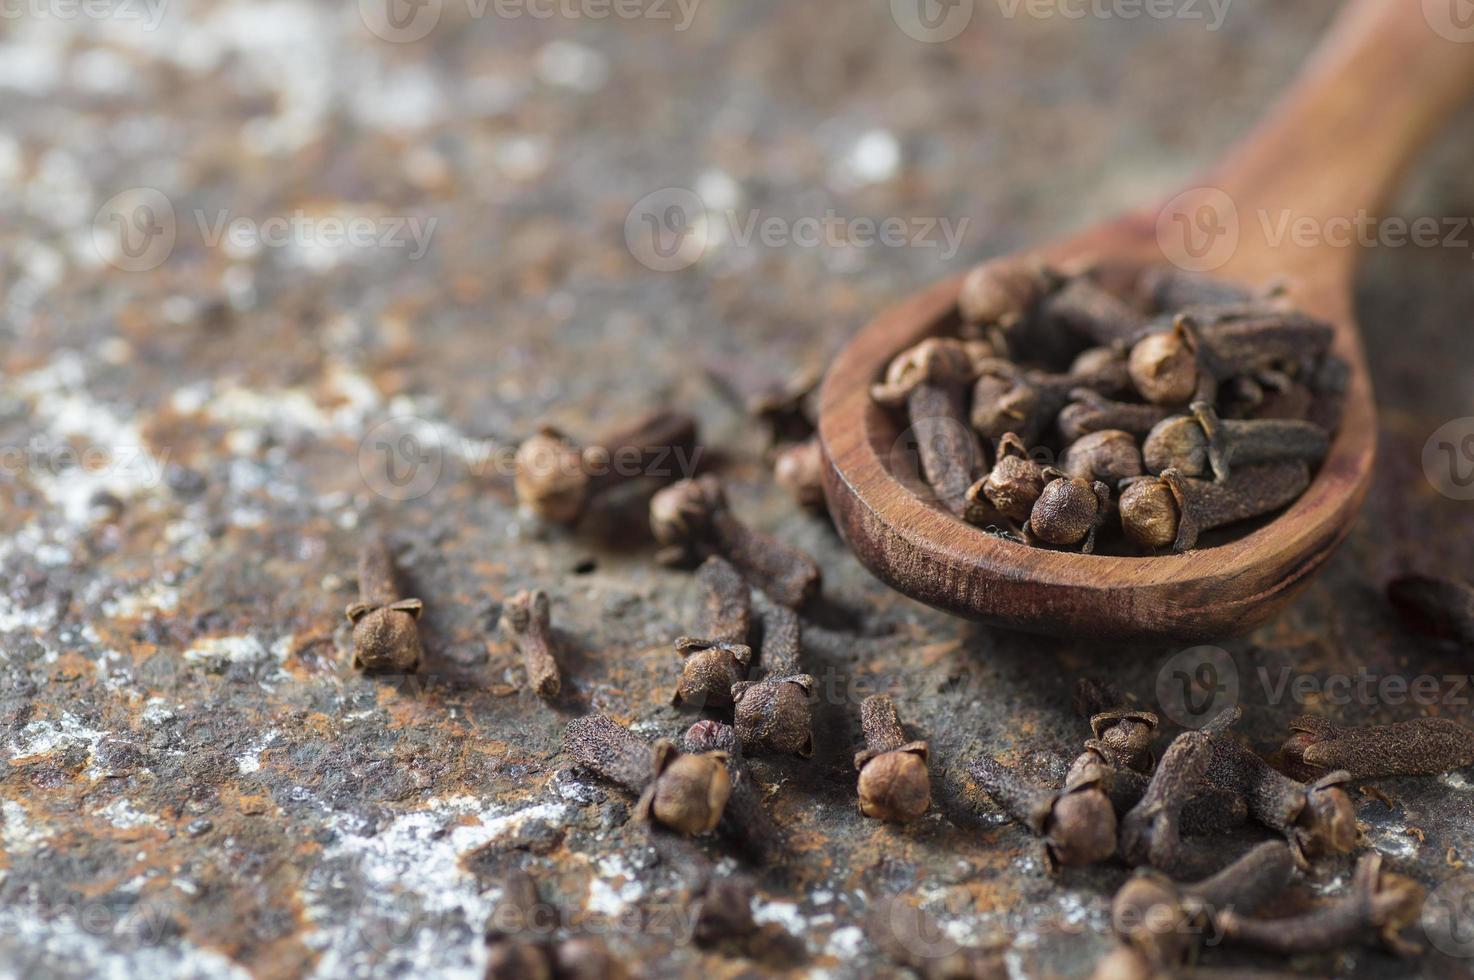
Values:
[(686, 793), (1069, 511), (385, 634), (1077, 823), (894, 784), (1172, 510), (799, 469), (1440, 607), (1201, 444), (773, 715), (1151, 832), (1316, 819), (516, 936), (1166, 922), (691, 519), (1422, 746), (525, 619), (718, 656), (1380, 903), (1003, 292), (931, 380), (556, 478), (745, 819), (724, 911)]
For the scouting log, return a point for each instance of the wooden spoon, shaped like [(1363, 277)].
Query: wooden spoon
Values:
[(1379, 86)]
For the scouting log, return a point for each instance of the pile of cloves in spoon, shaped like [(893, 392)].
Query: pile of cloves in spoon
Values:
[(1072, 412)]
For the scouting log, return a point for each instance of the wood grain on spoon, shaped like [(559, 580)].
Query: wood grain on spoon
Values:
[(1333, 150)]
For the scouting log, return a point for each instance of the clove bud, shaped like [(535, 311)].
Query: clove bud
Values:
[(1172, 510), (1422, 746), (691, 519), (686, 793), (525, 619), (1202, 444), (894, 784), (1077, 823), (385, 637)]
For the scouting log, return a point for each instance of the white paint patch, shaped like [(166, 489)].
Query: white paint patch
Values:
[(1457, 780), (615, 889), (845, 944), (20, 835), (413, 868), (121, 814), (216, 650), (249, 761), (44, 737)]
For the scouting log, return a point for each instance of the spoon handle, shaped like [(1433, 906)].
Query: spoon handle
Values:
[(1385, 78)]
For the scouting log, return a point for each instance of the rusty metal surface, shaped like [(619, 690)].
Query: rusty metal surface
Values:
[(196, 783)]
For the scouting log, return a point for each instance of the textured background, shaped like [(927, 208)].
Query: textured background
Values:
[(194, 783)]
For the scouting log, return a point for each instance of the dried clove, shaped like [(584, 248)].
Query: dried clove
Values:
[(1151, 831), (724, 911), (1166, 288), (1015, 482), (1108, 456), (1440, 607), (556, 478), (1166, 922), (1069, 511), (894, 784), (1380, 903), (799, 469), (686, 793), (1122, 735), (1007, 398), (1201, 444), (1316, 819), (774, 714), (1003, 292), (691, 519), (745, 819), (1422, 746), (516, 935), (1090, 411), (1188, 362), (586, 958), (1091, 312), (785, 410), (1077, 823), (911, 937), (1171, 510), (931, 380), (719, 656), (385, 634), (526, 620)]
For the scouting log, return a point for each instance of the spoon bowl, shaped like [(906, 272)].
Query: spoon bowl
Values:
[(1383, 80)]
